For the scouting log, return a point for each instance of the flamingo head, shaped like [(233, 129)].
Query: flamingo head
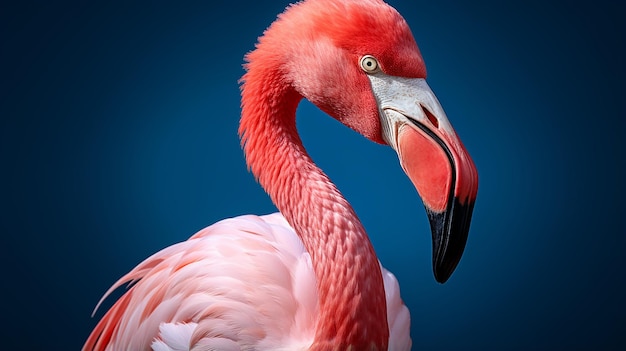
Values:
[(358, 62)]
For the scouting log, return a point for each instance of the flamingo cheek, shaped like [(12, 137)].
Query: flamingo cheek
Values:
[(427, 165)]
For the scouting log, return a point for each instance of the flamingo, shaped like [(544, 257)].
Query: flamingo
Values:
[(307, 278)]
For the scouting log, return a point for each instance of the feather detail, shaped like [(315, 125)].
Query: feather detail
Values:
[(234, 280), (243, 283)]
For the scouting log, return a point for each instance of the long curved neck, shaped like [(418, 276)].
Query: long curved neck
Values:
[(352, 308)]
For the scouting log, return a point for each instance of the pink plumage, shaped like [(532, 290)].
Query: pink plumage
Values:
[(242, 283), (306, 278)]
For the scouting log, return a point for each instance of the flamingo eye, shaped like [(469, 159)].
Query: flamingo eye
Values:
[(369, 64)]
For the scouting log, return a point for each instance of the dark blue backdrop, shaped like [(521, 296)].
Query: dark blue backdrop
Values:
[(119, 137)]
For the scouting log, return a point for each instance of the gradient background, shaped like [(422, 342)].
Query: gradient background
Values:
[(119, 137)]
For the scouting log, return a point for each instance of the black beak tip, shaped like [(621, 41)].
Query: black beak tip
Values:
[(450, 229), (442, 273)]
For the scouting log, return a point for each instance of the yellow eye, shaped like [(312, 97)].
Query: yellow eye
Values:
[(369, 64)]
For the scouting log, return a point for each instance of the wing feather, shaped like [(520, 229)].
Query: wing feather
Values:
[(244, 283), (233, 283)]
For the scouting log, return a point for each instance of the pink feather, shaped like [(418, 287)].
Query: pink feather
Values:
[(246, 278)]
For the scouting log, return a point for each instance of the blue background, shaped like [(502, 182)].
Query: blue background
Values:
[(119, 137)]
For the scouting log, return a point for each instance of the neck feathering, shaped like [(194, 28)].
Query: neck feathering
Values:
[(352, 309)]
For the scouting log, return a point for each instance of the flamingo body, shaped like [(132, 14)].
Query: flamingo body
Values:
[(308, 277), (243, 283)]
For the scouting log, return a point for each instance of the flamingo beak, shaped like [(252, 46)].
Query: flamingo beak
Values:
[(433, 157)]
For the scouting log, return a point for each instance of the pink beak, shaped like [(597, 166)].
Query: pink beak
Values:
[(433, 157)]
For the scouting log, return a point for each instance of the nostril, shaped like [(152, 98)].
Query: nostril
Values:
[(430, 117)]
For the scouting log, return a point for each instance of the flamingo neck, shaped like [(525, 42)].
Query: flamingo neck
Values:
[(352, 307)]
